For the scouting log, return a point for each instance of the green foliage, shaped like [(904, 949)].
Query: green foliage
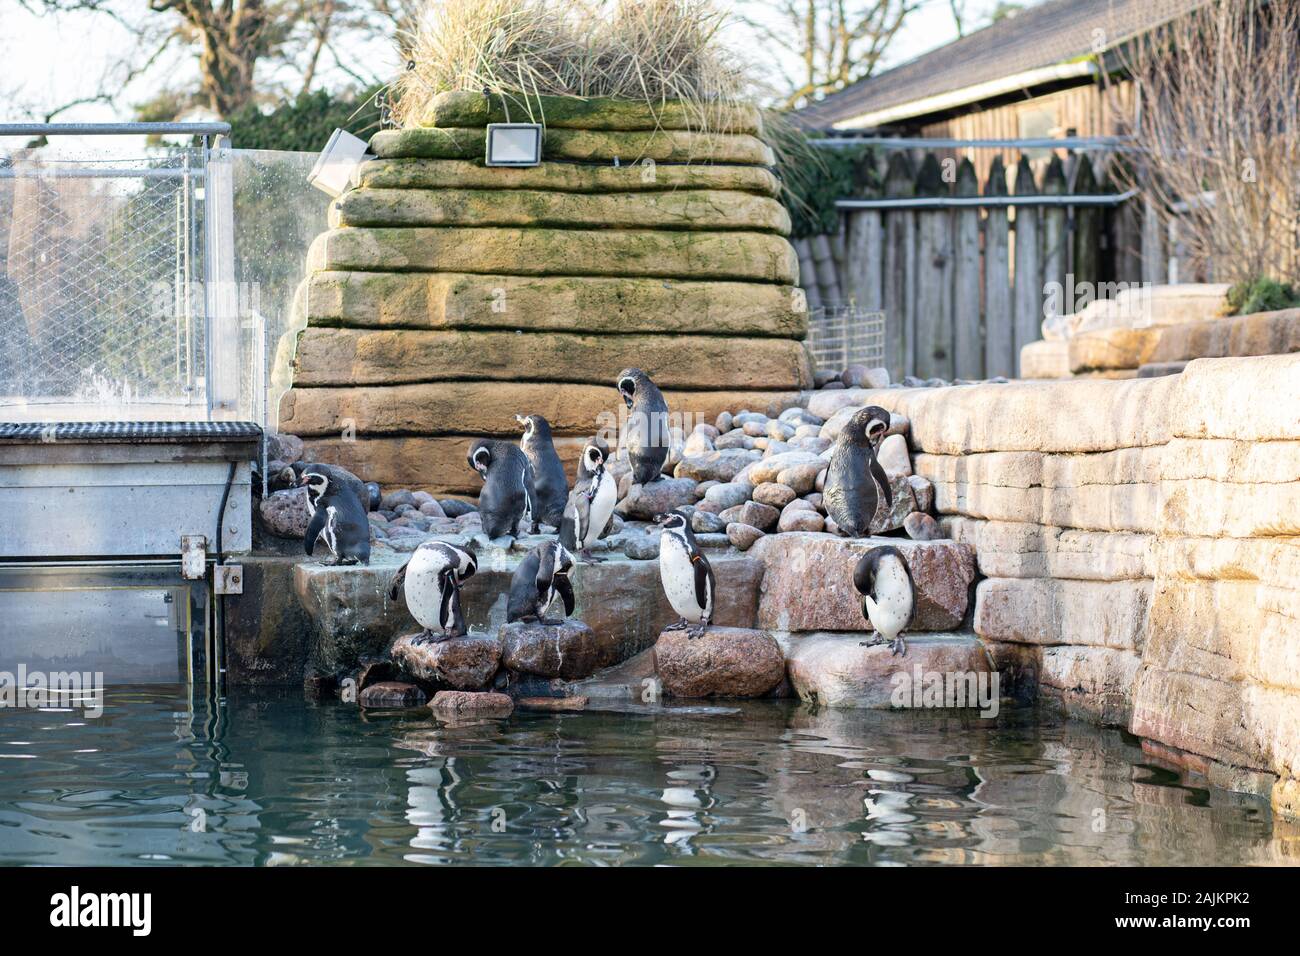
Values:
[(305, 124), (814, 177), (1261, 295)]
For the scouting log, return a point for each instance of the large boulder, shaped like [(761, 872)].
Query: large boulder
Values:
[(645, 501), (724, 662), (460, 703), (715, 465), (808, 584), (570, 650), (465, 663), (285, 513)]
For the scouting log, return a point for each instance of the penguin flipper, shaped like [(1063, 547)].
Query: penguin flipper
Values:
[(314, 528), (568, 534), (399, 579), (703, 580), (446, 590), (566, 593), (882, 480)]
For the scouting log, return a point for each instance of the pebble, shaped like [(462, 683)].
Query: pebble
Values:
[(742, 536), (723, 422), (773, 493), (702, 522), (893, 456), (729, 494)]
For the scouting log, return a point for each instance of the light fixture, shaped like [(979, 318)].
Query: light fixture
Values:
[(514, 144), (338, 162)]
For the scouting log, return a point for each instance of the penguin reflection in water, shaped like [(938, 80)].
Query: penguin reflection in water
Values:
[(509, 496), (884, 580), (337, 518), (686, 574), (647, 437), (538, 581), (430, 582)]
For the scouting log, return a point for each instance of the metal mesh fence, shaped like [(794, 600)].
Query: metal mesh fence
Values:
[(844, 335), (101, 301)]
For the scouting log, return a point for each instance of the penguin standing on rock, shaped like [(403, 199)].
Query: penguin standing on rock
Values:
[(884, 580), (856, 484), (591, 503), (538, 581), (367, 492), (508, 497), (648, 440), (548, 473), (337, 517), (430, 582), (686, 574)]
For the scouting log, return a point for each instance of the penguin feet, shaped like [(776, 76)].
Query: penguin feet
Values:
[(875, 639), (428, 637), (590, 558), (679, 626), (695, 632), (898, 647)]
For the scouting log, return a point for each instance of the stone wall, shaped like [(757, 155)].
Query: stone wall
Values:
[(1139, 543), (449, 297)]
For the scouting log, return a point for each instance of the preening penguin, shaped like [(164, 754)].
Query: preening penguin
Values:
[(430, 582), (648, 441), (367, 492), (590, 503), (548, 474), (686, 574), (584, 471), (509, 493), (337, 517), (538, 581), (856, 484), (884, 580)]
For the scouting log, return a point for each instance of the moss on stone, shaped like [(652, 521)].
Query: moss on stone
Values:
[(597, 112)]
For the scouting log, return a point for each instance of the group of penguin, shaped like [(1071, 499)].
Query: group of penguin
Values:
[(525, 485)]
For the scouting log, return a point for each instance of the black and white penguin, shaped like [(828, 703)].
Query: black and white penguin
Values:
[(548, 474), (540, 578), (884, 580), (430, 582), (367, 492), (685, 572), (584, 472), (508, 490), (337, 517), (590, 504), (856, 484), (648, 441)]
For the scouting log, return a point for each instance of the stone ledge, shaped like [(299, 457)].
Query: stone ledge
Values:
[(833, 670), (1006, 549), (1053, 612), (584, 304), (392, 357), (466, 109), (1221, 398), (563, 177), (666, 254), (1091, 683), (1265, 333), (1111, 349)]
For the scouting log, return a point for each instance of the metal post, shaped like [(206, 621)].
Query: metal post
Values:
[(220, 292)]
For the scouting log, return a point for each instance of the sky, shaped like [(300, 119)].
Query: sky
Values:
[(51, 60)]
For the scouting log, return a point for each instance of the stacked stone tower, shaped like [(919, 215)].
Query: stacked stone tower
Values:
[(449, 296)]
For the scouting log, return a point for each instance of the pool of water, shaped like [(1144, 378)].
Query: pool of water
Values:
[(266, 778)]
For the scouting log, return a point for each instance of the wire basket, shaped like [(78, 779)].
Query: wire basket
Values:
[(844, 335)]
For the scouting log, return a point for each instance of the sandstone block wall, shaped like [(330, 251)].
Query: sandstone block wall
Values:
[(1139, 543), (448, 297)]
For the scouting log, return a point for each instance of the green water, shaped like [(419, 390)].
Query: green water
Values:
[(270, 779)]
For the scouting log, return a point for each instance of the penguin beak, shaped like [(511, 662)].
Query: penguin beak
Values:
[(304, 479), (660, 519), (521, 420)]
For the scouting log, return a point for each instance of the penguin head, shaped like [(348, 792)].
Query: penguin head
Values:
[(867, 426), (628, 381), (468, 563), (316, 482), (480, 457), (534, 425), (673, 521), (593, 457)]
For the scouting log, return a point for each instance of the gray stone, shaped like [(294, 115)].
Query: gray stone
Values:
[(702, 522), (742, 536), (285, 513), (922, 527), (465, 663), (733, 440), (774, 494), (570, 650), (645, 501), (729, 494), (715, 465)]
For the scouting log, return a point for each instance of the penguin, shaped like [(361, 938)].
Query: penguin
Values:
[(508, 490), (367, 492), (856, 484), (430, 581), (337, 516), (584, 473), (548, 474), (539, 579), (648, 441), (884, 580), (686, 574), (373, 496), (590, 504)]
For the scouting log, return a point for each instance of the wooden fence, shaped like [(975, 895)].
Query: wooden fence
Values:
[(964, 288)]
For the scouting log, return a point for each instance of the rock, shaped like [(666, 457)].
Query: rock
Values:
[(432, 509), (703, 488), (824, 376), (722, 423), (834, 670), (642, 547), (711, 540), (754, 429), (942, 571), (893, 456), (729, 494), (801, 478), (800, 519), (724, 662), (780, 431), (733, 440), (1047, 611), (742, 536), (754, 514), (715, 465), (762, 444), (859, 376), (553, 704), (774, 447), (768, 468), (744, 417), (455, 508), (284, 513), (393, 499), (284, 448), (924, 491), (391, 693), (466, 663), (774, 494), (702, 522), (460, 703), (813, 444), (697, 443), (800, 418), (814, 498), (836, 384), (570, 650), (922, 527), (645, 501)]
